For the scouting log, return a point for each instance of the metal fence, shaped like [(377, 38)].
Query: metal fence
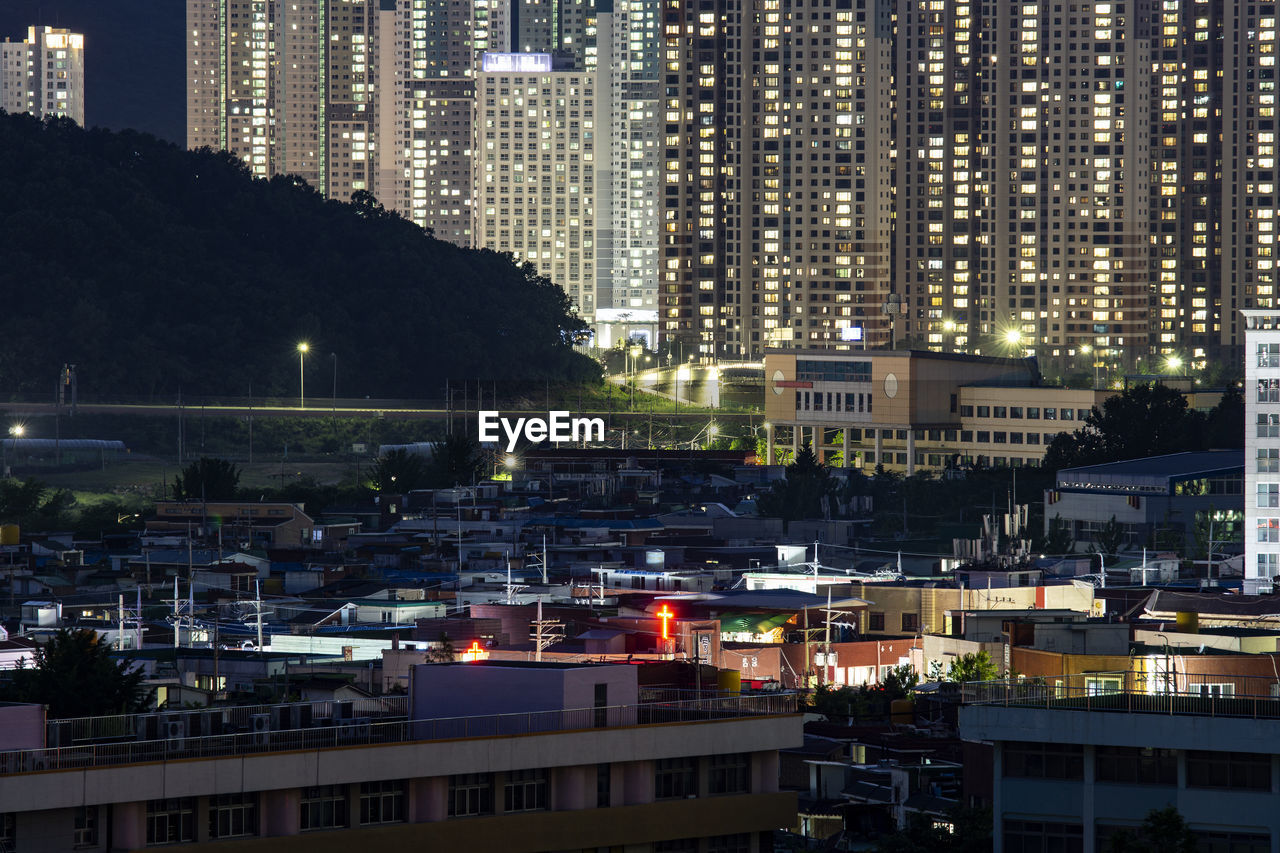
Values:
[(361, 731), (198, 722), (1136, 693)]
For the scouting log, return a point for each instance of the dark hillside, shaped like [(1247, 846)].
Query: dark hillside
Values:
[(152, 267)]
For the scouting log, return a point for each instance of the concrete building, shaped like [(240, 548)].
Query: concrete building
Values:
[(1163, 501), (777, 205), (908, 410), (628, 169), (44, 75), (535, 190), (289, 87), (1083, 756), (1261, 449), (558, 768)]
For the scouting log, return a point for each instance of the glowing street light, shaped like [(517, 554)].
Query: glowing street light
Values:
[(1173, 364), (510, 461), (303, 349)]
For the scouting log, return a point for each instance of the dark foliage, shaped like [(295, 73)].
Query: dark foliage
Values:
[(75, 676), (156, 269), (802, 493), (207, 479), (398, 471), (1147, 420), (456, 460), (1162, 831)]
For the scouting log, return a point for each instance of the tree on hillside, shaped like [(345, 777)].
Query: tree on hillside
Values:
[(1162, 831), (456, 460), (973, 666), (75, 676), (1145, 420), (207, 479), (399, 471), (801, 494), (32, 503)]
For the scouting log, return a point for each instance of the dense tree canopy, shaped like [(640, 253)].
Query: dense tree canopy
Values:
[(75, 676), (1147, 420), (207, 479), (154, 269), (802, 493)]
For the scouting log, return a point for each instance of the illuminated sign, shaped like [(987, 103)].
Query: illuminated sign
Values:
[(516, 63), (665, 615), (475, 653), (851, 333)]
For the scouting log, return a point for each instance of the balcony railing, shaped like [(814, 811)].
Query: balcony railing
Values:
[(1134, 693), (364, 731)]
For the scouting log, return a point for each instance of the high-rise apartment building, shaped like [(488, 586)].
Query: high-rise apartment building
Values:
[(535, 189), (1024, 177), (287, 86), (436, 49), (777, 182), (628, 169), (43, 75)]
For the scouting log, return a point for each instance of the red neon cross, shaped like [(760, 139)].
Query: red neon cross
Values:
[(475, 650), (665, 615)]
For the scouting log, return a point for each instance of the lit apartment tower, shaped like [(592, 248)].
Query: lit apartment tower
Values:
[(534, 169), (628, 170), (44, 75), (1191, 317), (777, 204), (438, 44), (938, 217), (1261, 448), (1250, 198), (287, 85), (1059, 179)]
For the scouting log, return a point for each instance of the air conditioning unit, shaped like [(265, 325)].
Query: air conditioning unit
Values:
[(362, 727), (259, 725), (174, 728)]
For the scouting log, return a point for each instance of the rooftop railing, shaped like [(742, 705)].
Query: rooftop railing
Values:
[(1203, 695), (365, 731)]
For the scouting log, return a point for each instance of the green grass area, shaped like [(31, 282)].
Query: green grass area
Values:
[(140, 478)]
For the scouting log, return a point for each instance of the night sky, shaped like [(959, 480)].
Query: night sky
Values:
[(134, 58)]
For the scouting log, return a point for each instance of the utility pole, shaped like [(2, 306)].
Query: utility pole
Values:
[(257, 596)]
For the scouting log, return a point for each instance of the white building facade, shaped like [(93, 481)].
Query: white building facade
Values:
[(44, 75), (1261, 449)]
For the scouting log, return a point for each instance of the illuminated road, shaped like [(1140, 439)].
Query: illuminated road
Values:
[(348, 409)]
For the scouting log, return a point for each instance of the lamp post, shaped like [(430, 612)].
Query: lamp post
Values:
[(303, 349), (1088, 350), (17, 431), (634, 350)]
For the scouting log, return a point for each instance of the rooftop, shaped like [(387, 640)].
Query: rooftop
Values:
[(243, 730), (1152, 474), (1176, 693)]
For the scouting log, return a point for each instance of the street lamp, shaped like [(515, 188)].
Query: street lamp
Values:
[(1173, 364), (303, 349), (1088, 350), (634, 351), (1013, 337), (17, 431)]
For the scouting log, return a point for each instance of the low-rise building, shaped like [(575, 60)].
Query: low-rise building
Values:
[(1157, 499), (908, 410), (1079, 760), (546, 768)]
